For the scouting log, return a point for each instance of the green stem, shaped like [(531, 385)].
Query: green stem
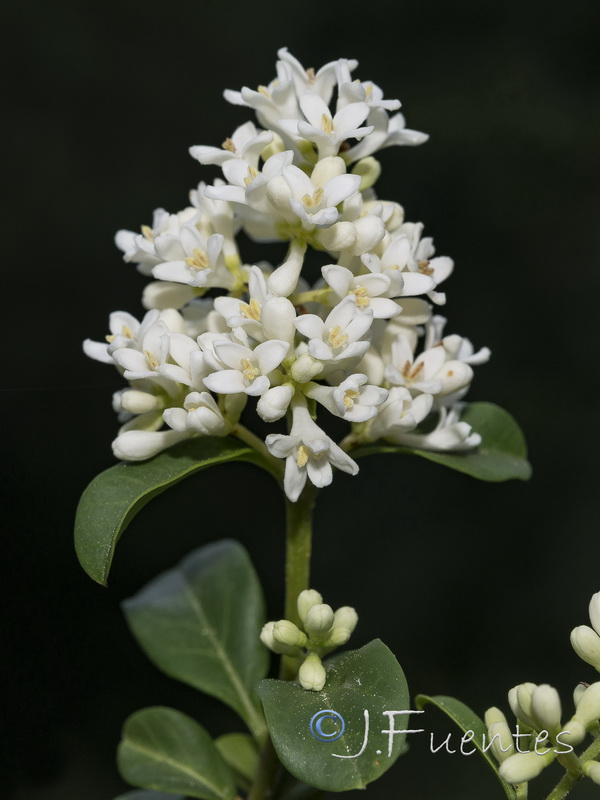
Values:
[(297, 573), (569, 779), (272, 464), (521, 790)]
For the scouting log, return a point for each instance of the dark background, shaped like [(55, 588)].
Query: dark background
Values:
[(475, 587)]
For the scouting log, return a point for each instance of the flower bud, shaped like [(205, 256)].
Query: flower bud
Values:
[(578, 692), (370, 231), (276, 145), (137, 402), (545, 707), (591, 769), (337, 637), (586, 643), (519, 698), (369, 170), (595, 612), (267, 638), (163, 294), (306, 600), (345, 617), (140, 445), (312, 673), (522, 767), (318, 620), (326, 169), (493, 715), (588, 710), (306, 368), (573, 733), (285, 632), (277, 319), (501, 740), (274, 402), (282, 281), (339, 237)]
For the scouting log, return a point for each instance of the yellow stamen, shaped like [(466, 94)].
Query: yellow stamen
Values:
[(416, 370), (147, 232), (110, 338), (302, 457), (264, 90), (336, 338), (228, 145), (252, 173), (251, 310), (198, 261), (349, 397), (126, 331), (424, 268), (152, 362), (314, 200), (327, 124), (249, 370), (362, 298), (310, 74)]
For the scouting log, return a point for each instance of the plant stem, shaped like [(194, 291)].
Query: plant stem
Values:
[(569, 779), (273, 464), (297, 573)]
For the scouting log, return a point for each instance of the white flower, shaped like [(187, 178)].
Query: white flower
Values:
[(385, 132), (245, 370), (449, 435), (430, 372), (200, 414), (246, 143), (352, 399), (193, 260), (308, 452), (326, 131), (313, 200), (337, 337), (395, 263), (398, 414)]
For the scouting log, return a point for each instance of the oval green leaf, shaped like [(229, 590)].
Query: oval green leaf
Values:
[(467, 720), (241, 753), (201, 623), (114, 497), (165, 750), (361, 686), (501, 456)]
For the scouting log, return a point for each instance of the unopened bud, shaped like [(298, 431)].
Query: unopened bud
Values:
[(312, 673), (522, 767), (318, 620), (370, 230), (595, 612), (369, 170), (588, 710), (573, 733), (137, 402), (339, 237), (519, 698), (276, 146), (501, 740), (578, 692), (345, 617), (591, 769), (285, 632), (586, 643), (306, 600), (267, 638), (493, 715), (273, 404), (545, 707), (306, 368), (326, 169)]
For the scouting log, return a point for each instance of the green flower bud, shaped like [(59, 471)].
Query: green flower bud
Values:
[(319, 620), (522, 767), (501, 740), (312, 673), (285, 632), (306, 600), (493, 715), (586, 643), (277, 145), (337, 637), (268, 639), (546, 708), (578, 692), (588, 710), (306, 368), (369, 169), (573, 733), (345, 617), (591, 769), (519, 698)]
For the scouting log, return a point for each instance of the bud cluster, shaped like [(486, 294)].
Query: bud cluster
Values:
[(321, 630)]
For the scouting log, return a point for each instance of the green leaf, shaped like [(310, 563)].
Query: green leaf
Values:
[(201, 623), (501, 456), (305, 737), (241, 753), (467, 720), (142, 794), (166, 750), (114, 497)]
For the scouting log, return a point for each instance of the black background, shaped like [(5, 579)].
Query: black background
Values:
[(475, 587)]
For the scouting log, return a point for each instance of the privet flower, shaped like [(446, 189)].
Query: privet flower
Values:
[(361, 344)]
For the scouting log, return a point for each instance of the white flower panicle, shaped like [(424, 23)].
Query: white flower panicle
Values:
[(361, 344)]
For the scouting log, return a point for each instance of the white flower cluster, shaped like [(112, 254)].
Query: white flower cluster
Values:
[(363, 342)]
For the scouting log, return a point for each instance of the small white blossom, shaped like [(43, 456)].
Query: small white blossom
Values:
[(353, 400), (339, 336), (245, 370)]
